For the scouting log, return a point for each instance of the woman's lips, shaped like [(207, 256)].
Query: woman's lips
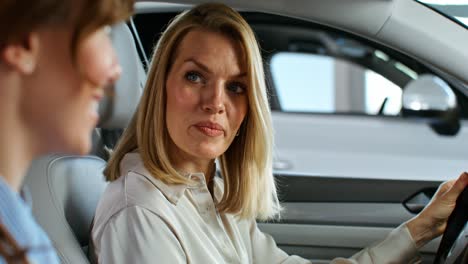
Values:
[(210, 129)]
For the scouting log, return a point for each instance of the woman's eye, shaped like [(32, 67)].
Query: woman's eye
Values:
[(236, 87), (193, 77)]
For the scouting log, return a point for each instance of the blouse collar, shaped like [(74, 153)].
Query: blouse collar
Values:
[(173, 192)]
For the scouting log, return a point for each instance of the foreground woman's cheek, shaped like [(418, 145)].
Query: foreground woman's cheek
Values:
[(97, 60)]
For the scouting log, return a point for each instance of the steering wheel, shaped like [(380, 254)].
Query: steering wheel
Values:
[(453, 247)]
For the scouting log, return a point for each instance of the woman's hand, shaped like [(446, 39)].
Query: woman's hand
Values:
[(431, 222)]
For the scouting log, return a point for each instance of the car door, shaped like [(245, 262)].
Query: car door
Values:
[(348, 170), (327, 216), (350, 167)]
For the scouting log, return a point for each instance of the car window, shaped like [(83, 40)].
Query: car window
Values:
[(375, 73), (324, 84)]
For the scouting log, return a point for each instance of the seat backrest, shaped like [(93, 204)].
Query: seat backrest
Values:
[(65, 189)]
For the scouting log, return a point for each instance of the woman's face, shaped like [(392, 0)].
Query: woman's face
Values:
[(61, 104), (206, 95)]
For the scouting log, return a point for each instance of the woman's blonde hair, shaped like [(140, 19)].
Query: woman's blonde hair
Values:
[(246, 166)]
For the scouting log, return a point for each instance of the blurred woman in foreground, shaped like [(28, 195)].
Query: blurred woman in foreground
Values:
[(55, 60)]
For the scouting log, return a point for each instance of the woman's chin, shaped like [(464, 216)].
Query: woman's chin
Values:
[(209, 152), (77, 146), (85, 147)]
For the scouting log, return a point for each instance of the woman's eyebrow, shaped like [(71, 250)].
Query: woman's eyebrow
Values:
[(199, 64), (207, 69)]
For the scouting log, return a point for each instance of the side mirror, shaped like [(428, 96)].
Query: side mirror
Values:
[(431, 100)]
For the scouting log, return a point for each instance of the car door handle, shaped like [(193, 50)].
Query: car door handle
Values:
[(416, 202)]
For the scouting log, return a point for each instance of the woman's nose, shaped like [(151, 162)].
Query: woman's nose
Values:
[(213, 99)]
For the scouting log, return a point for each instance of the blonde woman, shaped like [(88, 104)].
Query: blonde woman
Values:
[(205, 101), (56, 58)]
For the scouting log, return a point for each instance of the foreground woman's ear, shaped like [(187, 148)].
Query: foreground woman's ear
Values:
[(22, 55)]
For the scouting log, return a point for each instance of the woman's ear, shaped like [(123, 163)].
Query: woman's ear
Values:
[(22, 55)]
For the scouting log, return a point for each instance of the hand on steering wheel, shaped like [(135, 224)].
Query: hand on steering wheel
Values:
[(432, 221), (454, 243)]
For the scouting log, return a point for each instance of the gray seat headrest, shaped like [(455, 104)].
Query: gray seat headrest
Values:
[(117, 109), (65, 191)]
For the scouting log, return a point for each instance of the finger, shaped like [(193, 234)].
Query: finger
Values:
[(444, 187), (457, 187)]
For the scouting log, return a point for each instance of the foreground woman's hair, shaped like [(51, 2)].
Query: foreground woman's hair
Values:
[(18, 18), (246, 166)]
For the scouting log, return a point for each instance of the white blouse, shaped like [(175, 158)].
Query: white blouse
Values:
[(143, 220)]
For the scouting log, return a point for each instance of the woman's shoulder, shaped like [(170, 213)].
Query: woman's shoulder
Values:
[(135, 187)]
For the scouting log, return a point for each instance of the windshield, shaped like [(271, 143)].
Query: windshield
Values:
[(456, 10)]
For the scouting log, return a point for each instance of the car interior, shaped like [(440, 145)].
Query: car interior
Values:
[(317, 224)]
